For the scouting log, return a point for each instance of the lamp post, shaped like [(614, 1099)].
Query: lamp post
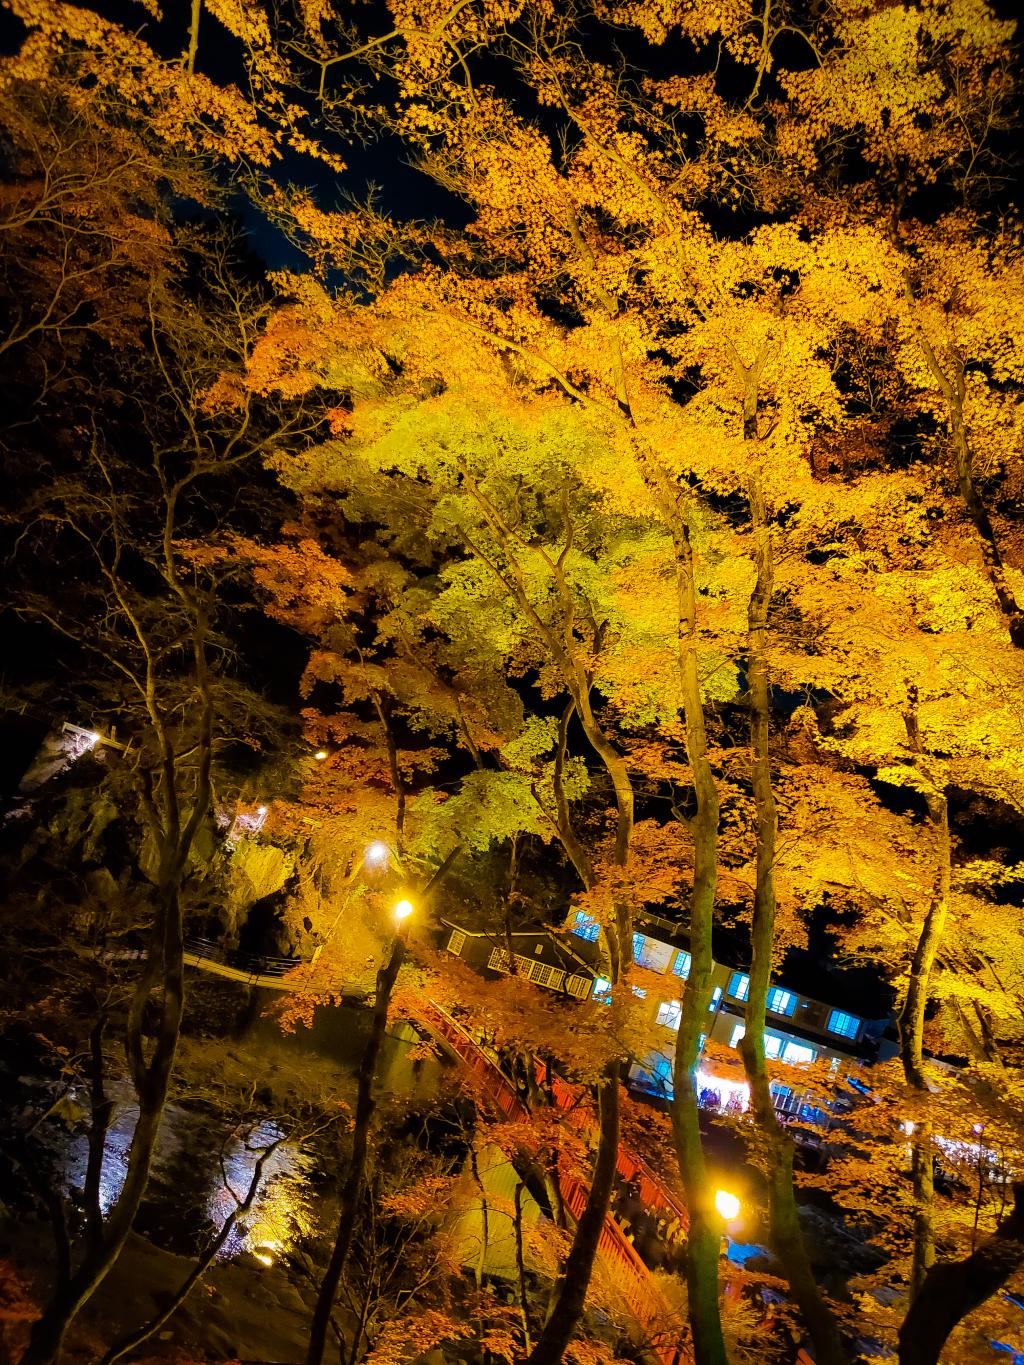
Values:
[(727, 1205), (352, 1190)]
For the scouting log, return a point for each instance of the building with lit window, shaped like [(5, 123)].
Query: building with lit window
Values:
[(799, 1030)]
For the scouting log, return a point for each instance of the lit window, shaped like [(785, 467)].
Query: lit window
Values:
[(669, 1012), (716, 996), (681, 966), (797, 1053), (649, 953), (602, 989), (772, 1044), (585, 926), (737, 1034), (739, 985), (701, 1040), (843, 1025), (780, 1001), (659, 1068), (639, 992)]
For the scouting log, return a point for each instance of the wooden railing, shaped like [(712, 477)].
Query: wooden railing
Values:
[(620, 1260)]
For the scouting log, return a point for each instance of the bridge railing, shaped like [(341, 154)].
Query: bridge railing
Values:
[(629, 1274)]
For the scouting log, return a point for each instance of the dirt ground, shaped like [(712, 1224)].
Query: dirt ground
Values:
[(239, 1311)]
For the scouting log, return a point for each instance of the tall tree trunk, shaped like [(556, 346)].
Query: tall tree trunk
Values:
[(152, 1081), (705, 1230), (953, 1290), (102, 1111), (524, 1301), (579, 1264), (911, 1021), (352, 1190), (952, 385), (785, 1233)]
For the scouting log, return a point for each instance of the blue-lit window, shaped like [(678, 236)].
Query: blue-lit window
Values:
[(737, 1034), (584, 926), (658, 1068), (716, 998), (669, 1012), (681, 966), (649, 953), (772, 1044), (602, 989), (739, 985), (701, 1040), (781, 1001), (639, 992), (797, 1054), (843, 1025)]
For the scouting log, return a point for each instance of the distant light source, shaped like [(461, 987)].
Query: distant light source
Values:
[(727, 1204), (94, 738), (376, 855), (261, 810), (403, 910), (263, 1258), (978, 1129), (320, 755)]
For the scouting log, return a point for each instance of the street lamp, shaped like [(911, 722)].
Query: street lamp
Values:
[(376, 854), (403, 910), (727, 1205), (320, 755)]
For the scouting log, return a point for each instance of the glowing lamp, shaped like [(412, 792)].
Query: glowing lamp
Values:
[(261, 810), (727, 1204), (264, 1257), (94, 738), (376, 855), (320, 755), (403, 910)]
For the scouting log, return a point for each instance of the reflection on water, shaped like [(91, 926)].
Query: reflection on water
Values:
[(281, 1212), (199, 1178)]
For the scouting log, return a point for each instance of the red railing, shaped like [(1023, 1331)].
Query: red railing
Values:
[(627, 1271), (653, 1191)]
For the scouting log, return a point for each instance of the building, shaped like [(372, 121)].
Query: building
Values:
[(799, 1030)]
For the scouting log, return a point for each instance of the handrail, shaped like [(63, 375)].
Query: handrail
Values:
[(633, 1278), (628, 1272)]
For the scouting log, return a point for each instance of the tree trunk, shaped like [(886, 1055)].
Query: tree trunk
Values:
[(705, 1232), (579, 1265), (152, 1082), (524, 1302), (352, 1190), (911, 1024), (102, 1111), (954, 392), (786, 1237), (953, 1290)]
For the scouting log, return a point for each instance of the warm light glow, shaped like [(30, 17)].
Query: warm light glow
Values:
[(403, 910), (376, 855), (727, 1204), (727, 1089), (261, 810), (320, 755), (263, 1258), (94, 738)]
